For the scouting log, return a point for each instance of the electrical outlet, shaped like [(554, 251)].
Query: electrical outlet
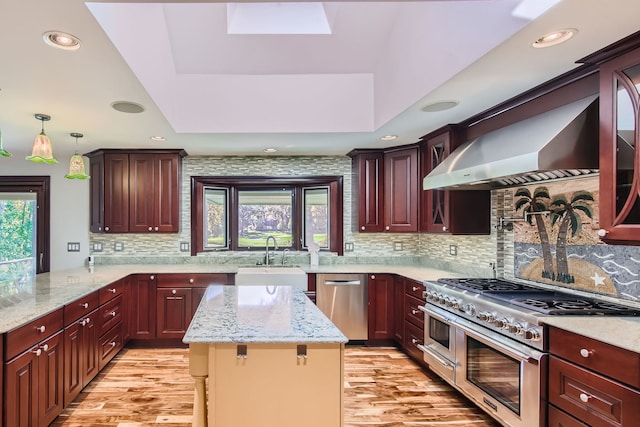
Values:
[(97, 246), (348, 247), (73, 246), (118, 246), (397, 246), (453, 250), (184, 246)]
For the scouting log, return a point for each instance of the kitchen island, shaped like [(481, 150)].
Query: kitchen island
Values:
[(264, 355)]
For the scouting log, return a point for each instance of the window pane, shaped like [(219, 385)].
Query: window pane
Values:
[(215, 218), (17, 240), (316, 216), (264, 213)]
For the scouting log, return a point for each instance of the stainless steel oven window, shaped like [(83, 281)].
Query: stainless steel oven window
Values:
[(440, 332), (495, 373)]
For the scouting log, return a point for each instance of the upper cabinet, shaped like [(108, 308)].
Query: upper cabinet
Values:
[(450, 211), (135, 191), (385, 185), (619, 137)]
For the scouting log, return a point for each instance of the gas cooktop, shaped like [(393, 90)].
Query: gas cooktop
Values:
[(541, 300)]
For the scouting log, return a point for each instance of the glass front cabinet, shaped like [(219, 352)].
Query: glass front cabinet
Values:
[(619, 155)]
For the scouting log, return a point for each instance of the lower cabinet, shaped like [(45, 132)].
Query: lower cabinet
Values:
[(33, 387), (381, 307), (142, 306), (174, 312), (591, 383), (81, 361)]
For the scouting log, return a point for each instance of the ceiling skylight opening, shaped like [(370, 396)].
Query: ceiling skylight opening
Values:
[(531, 9), (277, 18)]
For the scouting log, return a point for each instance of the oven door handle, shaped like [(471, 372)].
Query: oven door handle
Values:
[(441, 360), (524, 357)]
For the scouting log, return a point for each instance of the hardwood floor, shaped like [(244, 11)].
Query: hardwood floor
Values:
[(383, 388)]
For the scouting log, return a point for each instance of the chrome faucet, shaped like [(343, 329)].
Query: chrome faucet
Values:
[(284, 255), (266, 248)]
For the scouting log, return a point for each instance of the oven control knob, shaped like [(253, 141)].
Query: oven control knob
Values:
[(487, 317), (455, 303), (470, 309), (516, 328), (532, 335), (502, 323), (441, 298), (448, 301)]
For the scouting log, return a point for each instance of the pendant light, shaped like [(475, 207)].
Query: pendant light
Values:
[(3, 152), (42, 151), (76, 165)]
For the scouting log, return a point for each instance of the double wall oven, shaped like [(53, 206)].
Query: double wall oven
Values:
[(485, 337)]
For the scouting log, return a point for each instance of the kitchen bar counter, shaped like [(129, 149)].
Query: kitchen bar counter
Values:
[(264, 348)]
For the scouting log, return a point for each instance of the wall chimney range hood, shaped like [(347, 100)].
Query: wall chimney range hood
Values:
[(559, 143)]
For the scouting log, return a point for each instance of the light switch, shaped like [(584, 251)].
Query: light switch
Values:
[(397, 246), (453, 250), (118, 246), (97, 246), (184, 246), (73, 246), (348, 247)]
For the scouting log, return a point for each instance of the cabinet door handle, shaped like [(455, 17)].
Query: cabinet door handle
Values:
[(112, 343), (113, 314), (113, 291), (106, 229), (173, 291), (373, 277), (387, 228), (414, 288), (584, 397), (45, 347), (84, 305), (152, 277), (41, 329), (362, 228), (191, 280), (38, 352), (414, 341), (444, 228), (149, 228), (156, 229), (414, 312)]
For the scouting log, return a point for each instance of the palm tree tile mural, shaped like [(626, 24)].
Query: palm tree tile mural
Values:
[(557, 241)]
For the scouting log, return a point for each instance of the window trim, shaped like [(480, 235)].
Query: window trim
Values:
[(41, 185), (334, 182)]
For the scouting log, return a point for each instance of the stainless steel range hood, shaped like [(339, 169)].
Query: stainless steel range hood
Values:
[(559, 143)]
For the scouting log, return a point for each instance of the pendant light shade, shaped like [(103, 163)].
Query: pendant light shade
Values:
[(3, 152), (76, 165), (42, 152)]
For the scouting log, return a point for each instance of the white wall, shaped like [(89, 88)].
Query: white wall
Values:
[(69, 208)]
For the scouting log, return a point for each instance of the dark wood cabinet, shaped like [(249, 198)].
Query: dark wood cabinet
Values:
[(174, 312), (619, 153), (81, 354), (385, 187), (595, 383), (142, 306), (398, 308), (135, 191), (33, 387), (557, 418), (381, 306), (368, 190), (449, 211), (413, 319), (401, 190)]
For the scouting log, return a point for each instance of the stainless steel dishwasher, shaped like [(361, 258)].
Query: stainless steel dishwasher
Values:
[(343, 299)]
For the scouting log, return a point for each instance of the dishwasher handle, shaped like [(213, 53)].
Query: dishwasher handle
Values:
[(342, 282)]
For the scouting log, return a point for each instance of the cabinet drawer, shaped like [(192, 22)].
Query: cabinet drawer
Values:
[(110, 314), (412, 337), (81, 307), (617, 363), (110, 291), (25, 336), (557, 418), (199, 280), (414, 289), (110, 344), (592, 398), (412, 313)]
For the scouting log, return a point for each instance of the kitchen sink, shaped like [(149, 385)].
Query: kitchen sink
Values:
[(269, 276)]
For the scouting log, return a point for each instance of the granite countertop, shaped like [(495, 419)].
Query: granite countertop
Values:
[(50, 291), (260, 314)]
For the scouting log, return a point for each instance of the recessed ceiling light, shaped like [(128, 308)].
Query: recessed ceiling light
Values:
[(61, 40), (270, 150), (127, 107), (157, 138), (555, 37), (439, 106), (388, 137)]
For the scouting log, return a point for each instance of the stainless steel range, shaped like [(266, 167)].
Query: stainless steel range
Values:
[(487, 339)]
